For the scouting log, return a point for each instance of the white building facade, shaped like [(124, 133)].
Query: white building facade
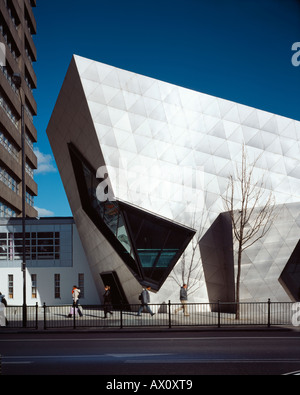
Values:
[(145, 166), (55, 261)]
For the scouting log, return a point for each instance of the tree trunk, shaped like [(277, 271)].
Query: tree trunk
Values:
[(238, 278)]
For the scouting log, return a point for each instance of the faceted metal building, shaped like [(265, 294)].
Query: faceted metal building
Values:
[(145, 165)]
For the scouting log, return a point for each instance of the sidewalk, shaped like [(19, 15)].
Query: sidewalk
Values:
[(55, 318), (142, 327)]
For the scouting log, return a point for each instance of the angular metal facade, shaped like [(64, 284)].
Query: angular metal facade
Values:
[(166, 152)]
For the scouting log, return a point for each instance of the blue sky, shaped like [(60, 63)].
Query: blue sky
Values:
[(233, 49)]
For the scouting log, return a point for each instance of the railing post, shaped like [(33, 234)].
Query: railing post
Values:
[(121, 317), (45, 325), (219, 315), (169, 312), (36, 315), (74, 316), (269, 313)]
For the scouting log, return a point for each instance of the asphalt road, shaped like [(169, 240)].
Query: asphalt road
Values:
[(180, 354)]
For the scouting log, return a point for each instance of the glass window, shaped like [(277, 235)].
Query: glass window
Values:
[(45, 245), (10, 286), (158, 242), (34, 286), (111, 216), (38, 246), (57, 286), (122, 235), (8, 180), (45, 235), (8, 145), (3, 246)]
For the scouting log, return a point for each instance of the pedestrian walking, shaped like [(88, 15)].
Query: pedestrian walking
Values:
[(145, 300), (107, 301), (75, 297), (183, 300)]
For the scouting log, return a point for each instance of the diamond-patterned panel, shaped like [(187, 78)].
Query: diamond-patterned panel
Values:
[(264, 262), (160, 122)]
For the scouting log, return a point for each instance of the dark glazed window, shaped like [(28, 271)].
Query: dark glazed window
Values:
[(158, 243), (149, 245)]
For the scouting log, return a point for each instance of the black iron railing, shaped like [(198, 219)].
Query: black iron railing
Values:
[(219, 314), (14, 316)]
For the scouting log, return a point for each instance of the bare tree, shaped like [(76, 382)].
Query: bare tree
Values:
[(190, 272), (251, 208), (189, 269)]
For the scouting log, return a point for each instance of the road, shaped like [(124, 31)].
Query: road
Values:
[(157, 353)]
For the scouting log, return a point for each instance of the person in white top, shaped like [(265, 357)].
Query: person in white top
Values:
[(76, 296)]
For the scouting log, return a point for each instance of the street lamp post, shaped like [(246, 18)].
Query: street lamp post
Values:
[(18, 83)]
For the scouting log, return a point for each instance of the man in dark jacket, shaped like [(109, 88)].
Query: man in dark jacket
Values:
[(107, 301), (145, 299), (183, 300)]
